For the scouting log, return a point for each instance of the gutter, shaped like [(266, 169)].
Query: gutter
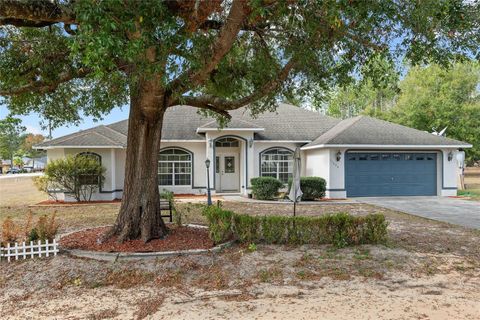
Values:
[(77, 147), (387, 146)]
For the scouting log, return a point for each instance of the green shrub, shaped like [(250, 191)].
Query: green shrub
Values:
[(220, 223), (312, 187), (170, 197), (339, 229), (246, 228), (274, 228), (47, 185), (265, 188), (167, 195), (80, 175), (33, 235)]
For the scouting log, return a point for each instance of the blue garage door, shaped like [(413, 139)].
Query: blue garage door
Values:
[(390, 174)]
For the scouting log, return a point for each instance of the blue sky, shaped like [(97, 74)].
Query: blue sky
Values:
[(32, 121)]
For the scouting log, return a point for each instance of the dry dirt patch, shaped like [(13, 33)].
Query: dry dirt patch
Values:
[(274, 281), (428, 270)]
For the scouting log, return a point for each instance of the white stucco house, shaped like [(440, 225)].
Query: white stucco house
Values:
[(360, 156)]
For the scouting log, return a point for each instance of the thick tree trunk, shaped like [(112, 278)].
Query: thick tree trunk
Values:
[(139, 215)]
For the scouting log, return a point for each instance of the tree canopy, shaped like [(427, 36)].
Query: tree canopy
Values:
[(11, 137), (428, 98), (373, 93), (433, 98), (61, 58), (28, 143)]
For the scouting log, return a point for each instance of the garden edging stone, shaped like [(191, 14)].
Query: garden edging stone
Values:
[(118, 256)]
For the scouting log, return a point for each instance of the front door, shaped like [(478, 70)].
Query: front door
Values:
[(227, 172)]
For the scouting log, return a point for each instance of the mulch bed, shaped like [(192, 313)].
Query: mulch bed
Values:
[(178, 238), (75, 203)]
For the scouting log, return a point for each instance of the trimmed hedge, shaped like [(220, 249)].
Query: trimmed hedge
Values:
[(312, 187), (340, 229), (265, 188)]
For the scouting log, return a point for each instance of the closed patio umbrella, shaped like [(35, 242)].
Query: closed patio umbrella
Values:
[(295, 191)]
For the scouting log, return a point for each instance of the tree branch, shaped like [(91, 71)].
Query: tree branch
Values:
[(222, 106), (68, 29), (24, 23), (34, 13), (216, 25), (221, 46), (45, 86)]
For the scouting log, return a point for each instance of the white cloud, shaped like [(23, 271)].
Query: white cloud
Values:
[(32, 129)]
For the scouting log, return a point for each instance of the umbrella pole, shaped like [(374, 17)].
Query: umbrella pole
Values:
[(294, 207)]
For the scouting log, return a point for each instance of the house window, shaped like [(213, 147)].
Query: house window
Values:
[(227, 142), (174, 167), (89, 178), (277, 163), (229, 164)]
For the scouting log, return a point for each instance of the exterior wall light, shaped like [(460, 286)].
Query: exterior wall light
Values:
[(210, 142), (450, 156), (250, 142), (339, 155)]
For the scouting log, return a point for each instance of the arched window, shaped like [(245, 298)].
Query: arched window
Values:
[(227, 142), (174, 167), (277, 163), (89, 178)]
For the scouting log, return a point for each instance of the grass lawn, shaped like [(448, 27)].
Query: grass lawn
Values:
[(474, 194), (428, 270)]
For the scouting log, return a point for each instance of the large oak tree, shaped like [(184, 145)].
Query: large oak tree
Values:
[(60, 57)]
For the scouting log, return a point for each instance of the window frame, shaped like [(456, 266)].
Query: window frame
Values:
[(99, 158), (227, 142), (289, 163), (174, 165)]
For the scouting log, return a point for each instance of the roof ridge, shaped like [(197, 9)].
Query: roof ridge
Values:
[(237, 119), (113, 130), (351, 122), (71, 135), (411, 128), (104, 136)]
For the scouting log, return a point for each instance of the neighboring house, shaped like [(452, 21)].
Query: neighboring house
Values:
[(361, 156), (5, 165), (34, 164)]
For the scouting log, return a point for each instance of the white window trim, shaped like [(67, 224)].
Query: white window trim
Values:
[(174, 162), (277, 173)]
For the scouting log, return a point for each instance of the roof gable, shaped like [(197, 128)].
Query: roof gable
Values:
[(100, 136), (286, 123), (363, 130), (181, 122)]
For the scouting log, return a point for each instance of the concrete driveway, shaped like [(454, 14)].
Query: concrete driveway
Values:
[(456, 211)]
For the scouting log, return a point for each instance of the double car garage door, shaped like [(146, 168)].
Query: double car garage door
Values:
[(390, 174)]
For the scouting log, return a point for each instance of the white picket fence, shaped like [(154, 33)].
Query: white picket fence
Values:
[(28, 250)]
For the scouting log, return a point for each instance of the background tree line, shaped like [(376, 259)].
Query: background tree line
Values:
[(428, 98), (15, 143)]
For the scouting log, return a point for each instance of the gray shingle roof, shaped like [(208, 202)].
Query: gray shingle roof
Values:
[(181, 122), (363, 130), (100, 136), (287, 123), (233, 123)]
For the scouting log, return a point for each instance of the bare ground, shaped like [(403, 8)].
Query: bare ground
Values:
[(428, 270)]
